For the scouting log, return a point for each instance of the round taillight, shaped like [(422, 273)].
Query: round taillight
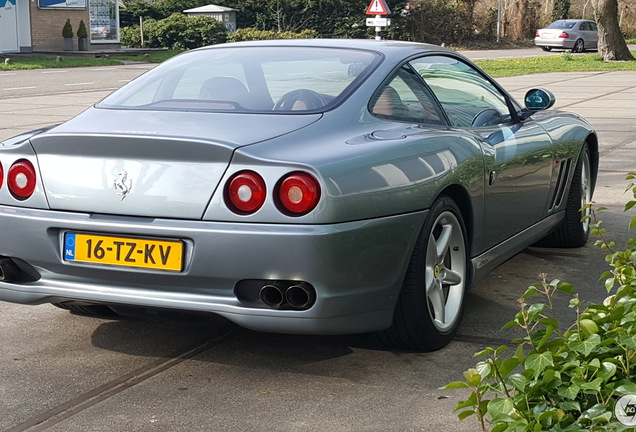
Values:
[(298, 194), (21, 179), (1, 175), (245, 192)]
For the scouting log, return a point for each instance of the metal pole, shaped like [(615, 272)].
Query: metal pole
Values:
[(377, 30), (141, 30), (498, 20)]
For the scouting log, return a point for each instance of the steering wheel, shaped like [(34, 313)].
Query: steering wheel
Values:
[(487, 117), (307, 99)]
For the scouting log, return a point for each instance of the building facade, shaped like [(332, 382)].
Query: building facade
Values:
[(36, 25), (223, 14)]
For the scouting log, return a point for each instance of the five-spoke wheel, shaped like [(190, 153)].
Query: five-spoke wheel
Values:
[(430, 306)]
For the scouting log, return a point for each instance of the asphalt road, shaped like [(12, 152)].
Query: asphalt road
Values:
[(63, 372)]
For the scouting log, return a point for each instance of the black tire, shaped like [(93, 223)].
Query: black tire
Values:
[(431, 303), (579, 46), (86, 309), (574, 230), (546, 48)]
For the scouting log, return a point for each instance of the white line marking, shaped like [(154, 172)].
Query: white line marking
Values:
[(18, 88), (55, 71)]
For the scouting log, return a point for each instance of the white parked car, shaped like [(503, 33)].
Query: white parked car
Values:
[(576, 35)]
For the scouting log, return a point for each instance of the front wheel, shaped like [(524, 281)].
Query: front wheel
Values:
[(431, 303)]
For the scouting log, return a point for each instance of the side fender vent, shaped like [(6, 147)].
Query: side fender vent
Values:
[(561, 182)]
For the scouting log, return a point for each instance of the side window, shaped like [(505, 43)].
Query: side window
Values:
[(469, 99), (593, 27), (404, 98), (585, 26)]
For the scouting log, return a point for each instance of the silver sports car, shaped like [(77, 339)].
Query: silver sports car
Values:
[(305, 186)]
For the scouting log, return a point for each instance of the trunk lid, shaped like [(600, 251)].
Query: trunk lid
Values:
[(143, 163)]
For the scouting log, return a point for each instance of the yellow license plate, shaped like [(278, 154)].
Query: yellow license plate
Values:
[(124, 251)]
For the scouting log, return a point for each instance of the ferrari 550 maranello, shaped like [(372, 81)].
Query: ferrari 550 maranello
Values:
[(316, 187)]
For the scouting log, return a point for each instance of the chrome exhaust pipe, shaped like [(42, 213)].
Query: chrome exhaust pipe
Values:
[(9, 271), (272, 296), (300, 296)]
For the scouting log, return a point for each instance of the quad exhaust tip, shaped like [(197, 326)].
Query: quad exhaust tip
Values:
[(300, 296)]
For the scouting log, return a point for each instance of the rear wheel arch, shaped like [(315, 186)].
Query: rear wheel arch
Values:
[(592, 145), (461, 197)]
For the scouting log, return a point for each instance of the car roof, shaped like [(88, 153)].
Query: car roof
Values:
[(389, 48), (575, 20)]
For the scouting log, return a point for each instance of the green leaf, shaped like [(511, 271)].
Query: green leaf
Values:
[(485, 351), (569, 392), (472, 377), (518, 381), (566, 287), (534, 310), (531, 290), (570, 406), (464, 414), (597, 412), (470, 402), (508, 365), (628, 341), (593, 385), (538, 362), (484, 369), (501, 409), (455, 385), (625, 386), (520, 354), (586, 346), (548, 376)]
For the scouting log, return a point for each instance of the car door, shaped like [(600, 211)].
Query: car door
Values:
[(591, 34), (517, 155)]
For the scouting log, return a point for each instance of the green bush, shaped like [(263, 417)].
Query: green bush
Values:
[(175, 32), (563, 379), (67, 30), (81, 30), (248, 34)]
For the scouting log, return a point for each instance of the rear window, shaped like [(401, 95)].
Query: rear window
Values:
[(248, 79), (562, 25)]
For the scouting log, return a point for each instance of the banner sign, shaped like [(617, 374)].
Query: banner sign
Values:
[(61, 4)]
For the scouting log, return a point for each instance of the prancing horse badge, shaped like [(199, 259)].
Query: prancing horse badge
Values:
[(123, 184)]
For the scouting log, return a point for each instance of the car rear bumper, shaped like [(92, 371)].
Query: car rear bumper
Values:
[(554, 43), (356, 268)]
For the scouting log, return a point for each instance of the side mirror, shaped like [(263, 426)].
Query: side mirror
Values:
[(539, 99)]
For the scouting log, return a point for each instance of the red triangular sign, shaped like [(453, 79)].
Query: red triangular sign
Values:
[(378, 7)]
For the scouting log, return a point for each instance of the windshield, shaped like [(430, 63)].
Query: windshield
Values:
[(247, 79), (562, 25)]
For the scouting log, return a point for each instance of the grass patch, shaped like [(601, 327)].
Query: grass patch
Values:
[(45, 62), (37, 62), (152, 57), (561, 63)]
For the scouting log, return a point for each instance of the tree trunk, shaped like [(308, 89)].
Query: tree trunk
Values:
[(611, 43)]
